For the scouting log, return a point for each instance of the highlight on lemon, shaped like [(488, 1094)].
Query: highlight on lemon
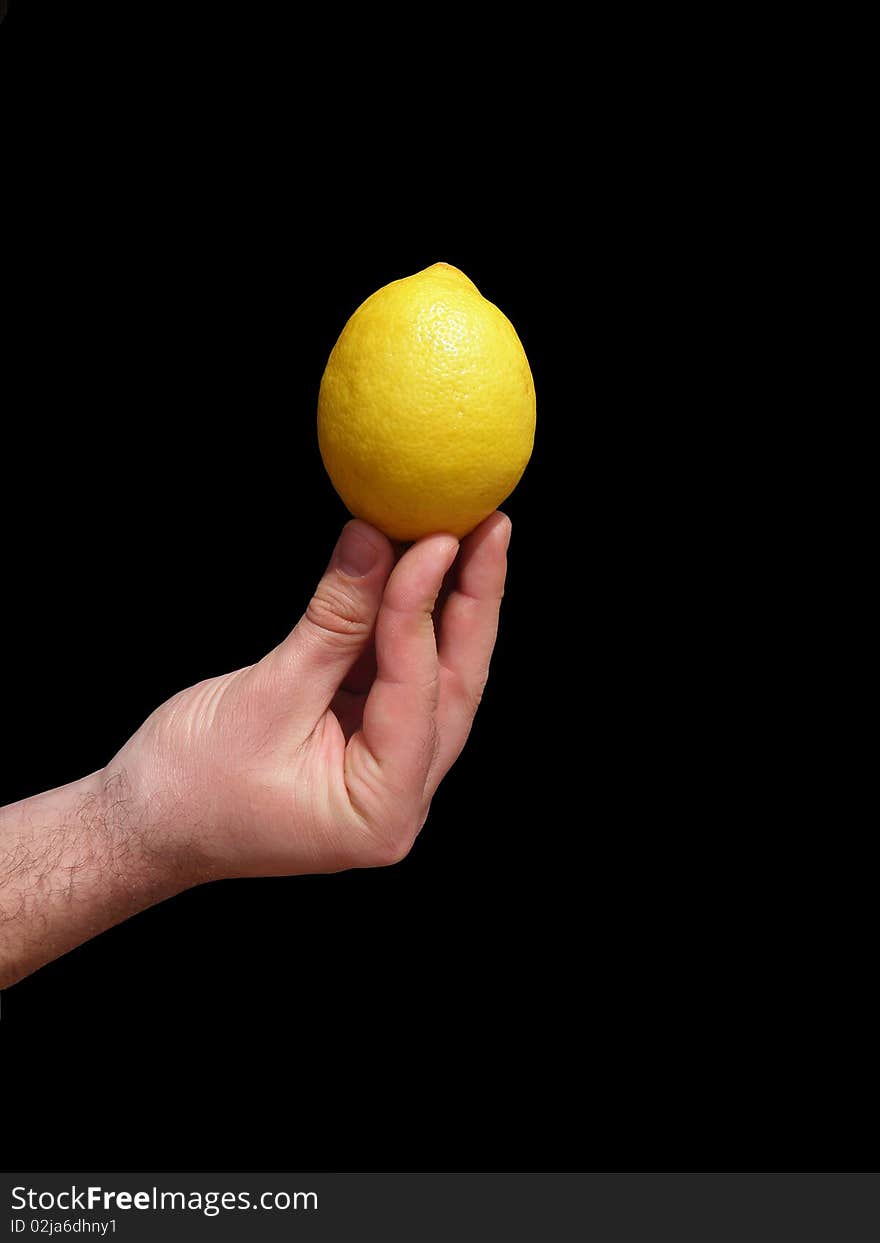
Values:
[(426, 414)]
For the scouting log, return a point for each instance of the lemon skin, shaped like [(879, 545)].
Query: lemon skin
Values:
[(426, 414)]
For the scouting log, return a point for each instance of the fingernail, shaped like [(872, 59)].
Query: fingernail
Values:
[(355, 554)]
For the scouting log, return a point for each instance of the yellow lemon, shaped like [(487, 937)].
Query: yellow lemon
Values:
[(426, 415)]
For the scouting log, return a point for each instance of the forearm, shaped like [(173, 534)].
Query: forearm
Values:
[(74, 861)]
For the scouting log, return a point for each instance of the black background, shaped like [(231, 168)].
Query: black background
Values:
[(630, 935)]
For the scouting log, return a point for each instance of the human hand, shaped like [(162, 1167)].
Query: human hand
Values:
[(326, 753)]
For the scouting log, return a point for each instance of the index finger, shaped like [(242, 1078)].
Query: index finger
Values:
[(399, 714)]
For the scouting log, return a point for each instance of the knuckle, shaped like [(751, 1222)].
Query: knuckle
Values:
[(336, 613), (471, 693), (396, 851), (394, 845), (474, 698)]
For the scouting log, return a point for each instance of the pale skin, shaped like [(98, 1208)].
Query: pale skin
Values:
[(322, 756)]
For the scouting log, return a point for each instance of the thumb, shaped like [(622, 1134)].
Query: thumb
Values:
[(338, 623)]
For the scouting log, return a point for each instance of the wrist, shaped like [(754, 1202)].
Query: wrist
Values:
[(76, 860), (145, 821)]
